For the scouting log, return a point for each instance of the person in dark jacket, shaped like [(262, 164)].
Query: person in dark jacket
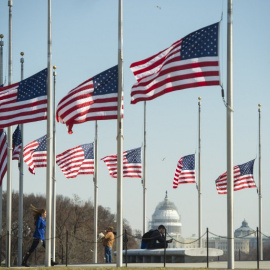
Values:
[(158, 239), (39, 233)]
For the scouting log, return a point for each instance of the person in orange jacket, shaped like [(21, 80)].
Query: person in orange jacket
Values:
[(108, 240)]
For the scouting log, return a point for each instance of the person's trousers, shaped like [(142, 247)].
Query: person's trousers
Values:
[(108, 254), (34, 245)]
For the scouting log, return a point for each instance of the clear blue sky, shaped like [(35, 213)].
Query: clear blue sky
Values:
[(85, 43)]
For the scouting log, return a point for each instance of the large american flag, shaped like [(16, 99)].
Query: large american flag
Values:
[(24, 102), (189, 62), (16, 143), (132, 164), (77, 160), (95, 99), (185, 171), (35, 154), (3, 155), (243, 178)]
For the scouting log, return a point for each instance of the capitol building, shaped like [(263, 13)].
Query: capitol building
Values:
[(166, 213)]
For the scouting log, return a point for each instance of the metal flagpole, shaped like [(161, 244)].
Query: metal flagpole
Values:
[(49, 143), (144, 172), (230, 185), (54, 169), (9, 155), (199, 178), (1, 190), (119, 242), (96, 193), (20, 222), (260, 189)]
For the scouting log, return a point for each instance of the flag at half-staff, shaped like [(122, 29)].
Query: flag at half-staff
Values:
[(3, 155), (24, 102), (77, 160), (189, 62), (94, 99), (132, 164), (35, 154), (16, 143), (243, 178), (185, 171)]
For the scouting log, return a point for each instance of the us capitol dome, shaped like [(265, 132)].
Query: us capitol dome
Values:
[(166, 213)]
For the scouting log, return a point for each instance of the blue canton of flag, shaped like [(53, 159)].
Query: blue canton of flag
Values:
[(88, 150), (106, 82), (33, 87), (201, 43), (189, 162), (16, 143), (17, 136), (134, 156), (247, 168), (42, 144)]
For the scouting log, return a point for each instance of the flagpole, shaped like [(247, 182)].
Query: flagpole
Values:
[(199, 177), (49, 143), (96, 193), (230, 180), (260, 189), (144, 172), (9, 154), (20, 222), (1, 189), (1, 59), (54, 169), (119, 240)]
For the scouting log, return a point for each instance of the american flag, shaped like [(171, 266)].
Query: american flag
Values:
[(16, 143), (3, 155), (95, 99), (35, 154), (189, 62), (185, 171), (77, 160), (243, 178), (24, 102), (132, 164)]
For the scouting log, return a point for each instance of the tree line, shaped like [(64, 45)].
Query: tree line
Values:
[(74, 235)]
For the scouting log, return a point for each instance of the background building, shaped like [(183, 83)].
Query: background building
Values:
[(166, 213)]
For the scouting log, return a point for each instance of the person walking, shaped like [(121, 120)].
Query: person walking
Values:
[(108, 240), (39, 233)]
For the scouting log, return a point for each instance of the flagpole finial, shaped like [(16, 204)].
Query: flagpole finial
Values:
[(54, 71), (1, 36), (199, 98), (259, 105), (22, 53)]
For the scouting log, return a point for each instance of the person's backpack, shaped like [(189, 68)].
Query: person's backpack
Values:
[(147, 236)]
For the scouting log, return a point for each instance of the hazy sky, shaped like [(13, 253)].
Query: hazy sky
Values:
[(85, 43)]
